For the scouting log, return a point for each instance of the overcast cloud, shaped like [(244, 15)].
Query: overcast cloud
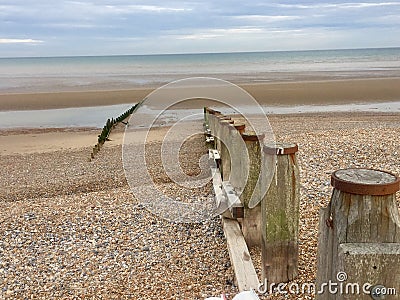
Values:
[(53, 28)]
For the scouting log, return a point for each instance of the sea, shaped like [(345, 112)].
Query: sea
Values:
[(96, 73), (48, 74)]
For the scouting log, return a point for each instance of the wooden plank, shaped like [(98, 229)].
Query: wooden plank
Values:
[(217, 185), (324, 255), (227, 203), (221, 206), (374, 263), (251, 224), (245, 273)]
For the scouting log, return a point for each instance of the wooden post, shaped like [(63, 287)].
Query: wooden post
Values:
[(245, 274), (238, 158), (225, 149), (206, 113), (217, 131), (212, 119), (280, 216), (251, 224), (359, 232)]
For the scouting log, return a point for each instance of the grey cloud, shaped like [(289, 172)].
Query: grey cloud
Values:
[(161, 26)]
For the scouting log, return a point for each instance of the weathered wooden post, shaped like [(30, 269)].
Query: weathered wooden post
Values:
[(251, 224), (359, 234), (233, 133), (212, 121), (225, 148), (280, 215), (237, 157), (206, 112), (217, 130)]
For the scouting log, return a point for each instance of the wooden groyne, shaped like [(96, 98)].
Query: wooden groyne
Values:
[(359, 232)]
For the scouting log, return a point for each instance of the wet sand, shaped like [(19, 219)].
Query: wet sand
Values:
[(323, 92)]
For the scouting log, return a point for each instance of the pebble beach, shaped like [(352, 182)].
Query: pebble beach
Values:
[(71, 228)]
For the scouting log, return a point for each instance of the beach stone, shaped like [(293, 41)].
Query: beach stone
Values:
[(67, 230)]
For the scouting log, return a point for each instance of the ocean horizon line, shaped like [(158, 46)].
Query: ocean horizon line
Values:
[(202, 53)]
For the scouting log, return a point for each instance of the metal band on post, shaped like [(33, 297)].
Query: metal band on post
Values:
[(359, 231), (240, 127), (365, 182)]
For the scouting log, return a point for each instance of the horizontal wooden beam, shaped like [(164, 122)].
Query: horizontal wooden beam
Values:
[(245, 273)]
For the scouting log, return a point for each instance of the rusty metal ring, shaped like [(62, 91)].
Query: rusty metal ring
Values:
[(359, 188), (239, 126)]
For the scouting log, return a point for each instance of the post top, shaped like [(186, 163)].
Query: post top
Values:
[(365, 182), (225, 122), (239, 125), (212, 111), (252, 136), (281, 148)]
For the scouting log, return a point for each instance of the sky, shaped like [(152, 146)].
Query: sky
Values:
[(119, 27)]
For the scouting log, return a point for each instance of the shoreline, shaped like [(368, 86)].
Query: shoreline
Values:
[(25, 140), (315, 92), (94, 117)]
